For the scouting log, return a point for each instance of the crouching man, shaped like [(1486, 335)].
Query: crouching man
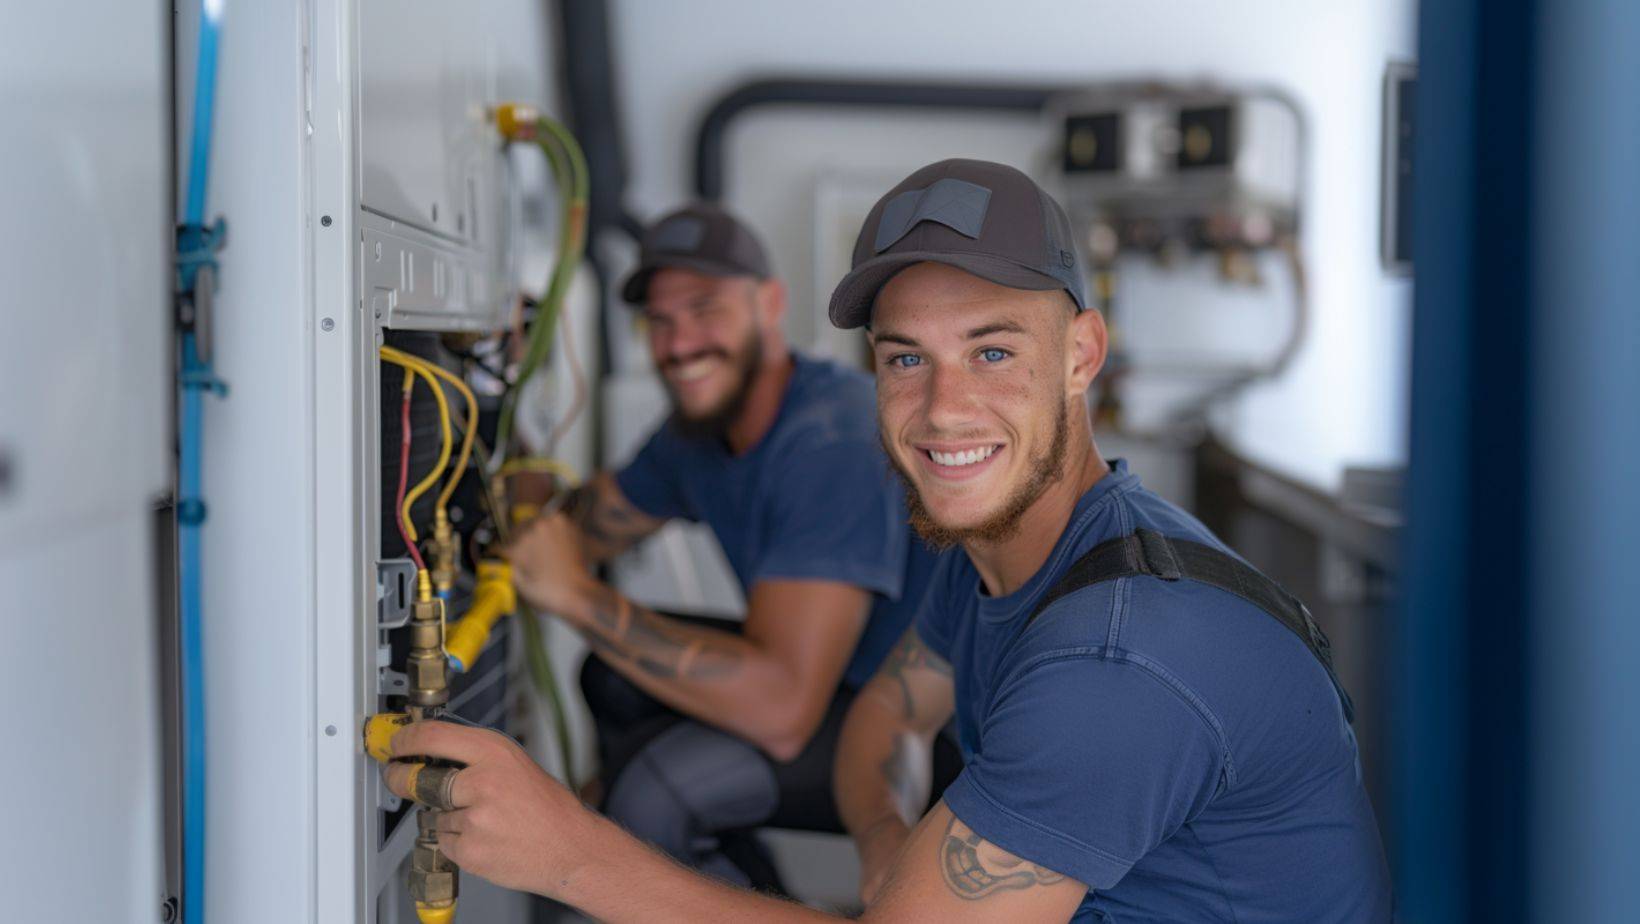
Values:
[(1151, 729)]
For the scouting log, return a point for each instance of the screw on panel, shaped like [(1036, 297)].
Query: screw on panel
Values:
[(325, 220), (330, 731), (327, 324)]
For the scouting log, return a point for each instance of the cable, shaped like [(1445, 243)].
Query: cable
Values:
[(444, 425), (399, 516), (579, 377), (195, 256), (569, 171), (469, 427)]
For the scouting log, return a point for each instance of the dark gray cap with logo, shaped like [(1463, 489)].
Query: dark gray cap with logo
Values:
[(988, 219), (701, 236)]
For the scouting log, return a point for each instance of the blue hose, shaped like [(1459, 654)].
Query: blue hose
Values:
[(195, 247), (190, 517)]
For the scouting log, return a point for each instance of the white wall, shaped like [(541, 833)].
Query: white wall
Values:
[(1343, 400), (84, 252)]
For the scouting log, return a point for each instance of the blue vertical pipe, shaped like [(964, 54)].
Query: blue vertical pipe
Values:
[(197, 377)]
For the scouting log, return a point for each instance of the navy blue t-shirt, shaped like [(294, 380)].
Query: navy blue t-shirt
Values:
[(1172, 746), (814, 499)]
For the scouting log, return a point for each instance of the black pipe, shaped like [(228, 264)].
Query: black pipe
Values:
[(789, 91), (587, 77)]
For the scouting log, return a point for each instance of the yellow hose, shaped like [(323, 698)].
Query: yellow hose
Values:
[(402, 359), (469, 426), (539, 464), (493, 599)]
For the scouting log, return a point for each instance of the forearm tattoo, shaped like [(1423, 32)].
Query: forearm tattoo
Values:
[(623, 630), (608, 523), (911, 655), (975, 868)]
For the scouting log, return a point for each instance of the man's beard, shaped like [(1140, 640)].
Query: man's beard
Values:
[(1004, 524), (713, 423)]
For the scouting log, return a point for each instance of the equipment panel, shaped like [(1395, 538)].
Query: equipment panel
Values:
[(430, 166)]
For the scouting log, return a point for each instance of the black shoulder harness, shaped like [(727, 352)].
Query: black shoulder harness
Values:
[(1147, 552)]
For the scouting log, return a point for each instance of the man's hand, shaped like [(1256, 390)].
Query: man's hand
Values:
[(513, 824), (549, 565)]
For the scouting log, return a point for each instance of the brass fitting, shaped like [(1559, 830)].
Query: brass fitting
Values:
[(515, 121), (434, 880), (444, 554), (426, 667)]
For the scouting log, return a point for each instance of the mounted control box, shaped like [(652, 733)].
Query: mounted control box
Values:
[(1145, 165)]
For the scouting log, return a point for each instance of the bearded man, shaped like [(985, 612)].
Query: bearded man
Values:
[(710, 727), (1151, 729)]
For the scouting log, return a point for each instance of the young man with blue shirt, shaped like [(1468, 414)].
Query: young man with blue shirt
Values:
[(1151, 729), (712, 726)]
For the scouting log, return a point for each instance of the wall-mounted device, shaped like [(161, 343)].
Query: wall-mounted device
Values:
[(1146, 165), (1187, 176)]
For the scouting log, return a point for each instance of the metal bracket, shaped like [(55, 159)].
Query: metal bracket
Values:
[(395, 592), (391, 682)]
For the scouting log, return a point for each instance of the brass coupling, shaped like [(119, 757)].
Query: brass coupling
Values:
[(445, 552), (434, 880), (426, 668)]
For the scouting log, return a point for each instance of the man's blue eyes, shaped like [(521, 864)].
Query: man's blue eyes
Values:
[(911, 360)]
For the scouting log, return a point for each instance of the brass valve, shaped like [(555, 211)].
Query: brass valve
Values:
[(434, 881), (433, 878), (445, 552)]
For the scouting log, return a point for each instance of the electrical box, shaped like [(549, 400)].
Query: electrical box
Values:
[(1143, 165)]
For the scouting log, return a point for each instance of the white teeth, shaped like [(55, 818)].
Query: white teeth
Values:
[(695, 369), (966, 457)]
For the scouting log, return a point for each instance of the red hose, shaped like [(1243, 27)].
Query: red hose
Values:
[(404, 476)]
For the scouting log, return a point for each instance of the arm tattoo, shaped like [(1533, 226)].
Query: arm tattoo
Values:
[(609, 523), (911, 654), (623, 630), (975, 868)]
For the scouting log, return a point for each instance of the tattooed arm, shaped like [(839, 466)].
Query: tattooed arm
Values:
[(608, 522), (949, 873), (883, 769), (770, 685)]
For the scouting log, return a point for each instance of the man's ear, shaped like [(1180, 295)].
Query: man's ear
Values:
[(1086, 343), (771, 301)]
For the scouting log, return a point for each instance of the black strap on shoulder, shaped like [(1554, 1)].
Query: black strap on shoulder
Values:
[(1147, 552)]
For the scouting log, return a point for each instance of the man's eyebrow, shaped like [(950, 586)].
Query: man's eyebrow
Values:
[(998, 327), (891, 337)]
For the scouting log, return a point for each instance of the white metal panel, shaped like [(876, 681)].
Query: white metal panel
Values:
[(258, 543), (84, 243), (430, 163)]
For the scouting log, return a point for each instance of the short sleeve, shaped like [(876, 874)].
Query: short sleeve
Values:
[(1085, 764), (834, 513), (650, 481)]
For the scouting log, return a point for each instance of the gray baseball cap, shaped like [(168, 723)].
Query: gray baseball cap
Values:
[(988, 219), (701, 236)]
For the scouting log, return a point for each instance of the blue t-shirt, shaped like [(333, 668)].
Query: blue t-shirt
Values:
[(1172, 746), (814, 499)]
